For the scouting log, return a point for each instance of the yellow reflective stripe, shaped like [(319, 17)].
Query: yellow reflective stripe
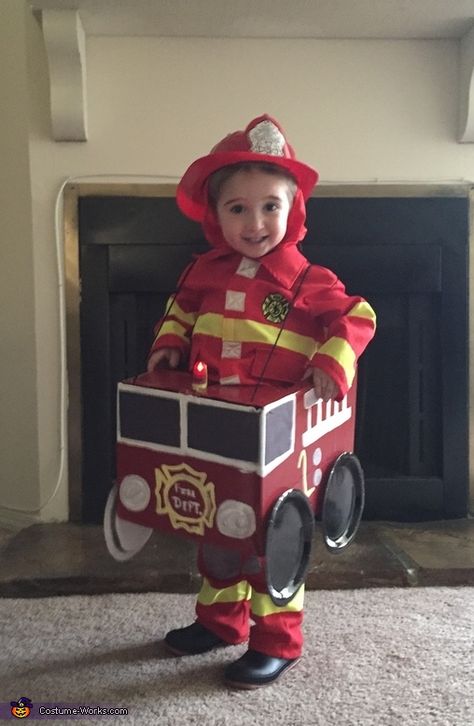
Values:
[(298, 343), (362, 310), (249, 331), (177, 311), (227, 328), (172, 327), (263, 605), (208, 595), (341, 351)]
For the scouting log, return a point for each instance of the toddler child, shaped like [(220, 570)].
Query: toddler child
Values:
[(249, 195)]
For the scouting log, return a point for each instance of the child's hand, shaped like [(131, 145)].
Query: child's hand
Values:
[(324, 386), (171, 356)]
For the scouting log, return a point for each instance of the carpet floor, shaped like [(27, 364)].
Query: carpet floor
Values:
[(381, 657)]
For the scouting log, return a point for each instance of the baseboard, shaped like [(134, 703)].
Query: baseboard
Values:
[(10, 519)]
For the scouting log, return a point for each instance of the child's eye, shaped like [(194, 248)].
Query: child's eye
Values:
[(271, 207), (237, 209)]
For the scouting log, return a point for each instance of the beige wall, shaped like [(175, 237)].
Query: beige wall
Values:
[(358, 110), (19, 457)]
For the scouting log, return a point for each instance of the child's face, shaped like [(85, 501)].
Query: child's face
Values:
[(252, 210)]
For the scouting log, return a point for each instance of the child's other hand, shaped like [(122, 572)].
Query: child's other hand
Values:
[(171, 356), (324, 386)]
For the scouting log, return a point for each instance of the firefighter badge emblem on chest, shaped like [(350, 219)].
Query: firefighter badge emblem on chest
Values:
[(275, 307)]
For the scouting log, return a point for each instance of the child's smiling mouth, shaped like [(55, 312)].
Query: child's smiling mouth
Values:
[(255, 240)]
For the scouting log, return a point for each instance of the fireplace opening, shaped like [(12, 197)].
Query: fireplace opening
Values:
[(400, 431), (406, 254)]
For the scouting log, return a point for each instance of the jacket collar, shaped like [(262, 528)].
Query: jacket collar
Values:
[(284, 264)]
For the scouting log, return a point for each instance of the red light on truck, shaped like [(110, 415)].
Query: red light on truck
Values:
[(199, 376)]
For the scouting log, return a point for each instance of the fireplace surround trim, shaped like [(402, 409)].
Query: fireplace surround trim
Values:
[(72, 194)]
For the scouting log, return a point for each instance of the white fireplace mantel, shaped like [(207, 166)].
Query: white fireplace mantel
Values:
[(65, 46)]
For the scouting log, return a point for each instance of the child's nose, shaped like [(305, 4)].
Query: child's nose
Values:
[(254, 221)]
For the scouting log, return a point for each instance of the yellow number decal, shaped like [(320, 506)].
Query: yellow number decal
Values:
[(303, 465)]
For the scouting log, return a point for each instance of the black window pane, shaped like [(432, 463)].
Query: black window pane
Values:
[(149, 418), (224, 431), (279, 428)]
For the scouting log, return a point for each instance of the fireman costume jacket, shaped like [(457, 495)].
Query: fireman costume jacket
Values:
[(231, 311), (267, 320)]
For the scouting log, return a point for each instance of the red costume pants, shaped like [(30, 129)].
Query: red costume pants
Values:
[(226, 605)]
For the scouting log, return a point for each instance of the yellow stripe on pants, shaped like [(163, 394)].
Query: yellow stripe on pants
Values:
[(209, 595), (263, 605)]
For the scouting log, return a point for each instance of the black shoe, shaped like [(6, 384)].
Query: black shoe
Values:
[(256, 669), (192, 640)]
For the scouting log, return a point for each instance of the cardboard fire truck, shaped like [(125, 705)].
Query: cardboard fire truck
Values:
[(235, 466)]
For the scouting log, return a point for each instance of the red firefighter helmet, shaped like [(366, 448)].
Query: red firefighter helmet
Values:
[(262, 141)]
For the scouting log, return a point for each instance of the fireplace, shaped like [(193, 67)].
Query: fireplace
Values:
[(406, 252)]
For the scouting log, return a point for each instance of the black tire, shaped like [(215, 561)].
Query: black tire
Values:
[(343, 502), (288, 545)]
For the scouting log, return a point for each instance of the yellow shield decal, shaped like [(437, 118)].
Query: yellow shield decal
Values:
[(186, 497)]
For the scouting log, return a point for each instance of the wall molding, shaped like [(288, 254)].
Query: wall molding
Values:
[(65, 47), (466, 88)]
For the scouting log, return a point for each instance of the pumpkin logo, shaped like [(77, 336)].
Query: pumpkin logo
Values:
[(21, 708)]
